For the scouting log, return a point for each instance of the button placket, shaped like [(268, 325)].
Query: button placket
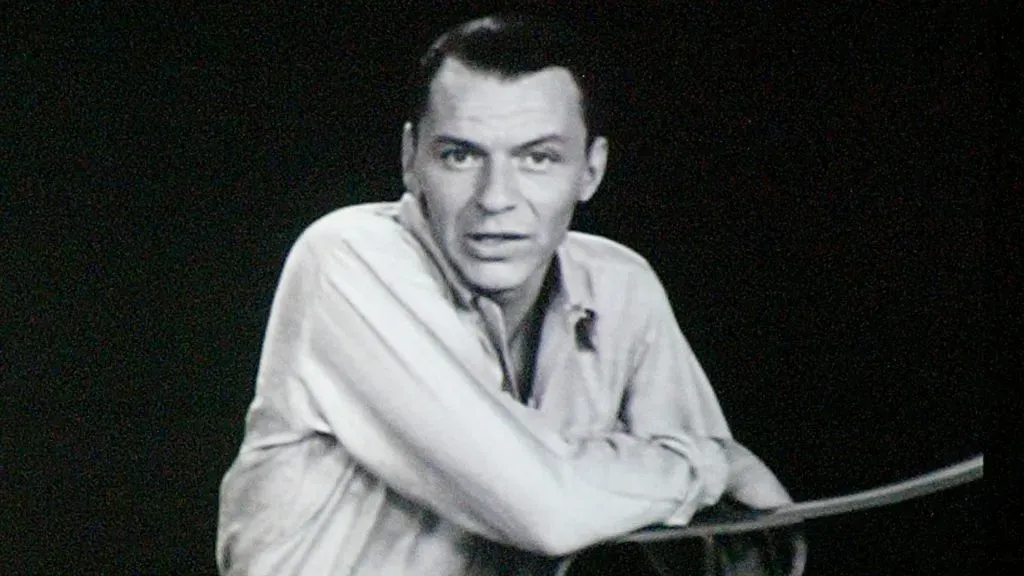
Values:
[(477, 326), (494, 323), (560, 338)]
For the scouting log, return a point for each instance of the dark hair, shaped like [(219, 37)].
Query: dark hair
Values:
[(510, 46)]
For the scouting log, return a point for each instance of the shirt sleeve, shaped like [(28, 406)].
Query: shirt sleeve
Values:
[(394, 376), (669, 393)]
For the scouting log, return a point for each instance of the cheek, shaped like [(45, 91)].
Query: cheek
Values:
[(561, 217), (447, 195), (553, 204)]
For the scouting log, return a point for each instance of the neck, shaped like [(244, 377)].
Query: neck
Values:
[(520, 305)]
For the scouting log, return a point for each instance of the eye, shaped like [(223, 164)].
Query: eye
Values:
[(461, 158), (538, 161)]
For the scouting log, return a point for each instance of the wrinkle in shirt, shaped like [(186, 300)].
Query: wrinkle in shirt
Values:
[(605, 341)]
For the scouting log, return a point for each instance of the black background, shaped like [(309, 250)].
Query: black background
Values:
[(810, 181)]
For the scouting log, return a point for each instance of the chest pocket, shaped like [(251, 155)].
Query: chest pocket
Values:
[(577, 390)]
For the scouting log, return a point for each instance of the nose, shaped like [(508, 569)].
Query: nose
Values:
[(498, 188)]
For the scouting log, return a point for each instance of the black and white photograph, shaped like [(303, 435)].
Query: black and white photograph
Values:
[(487, 289)]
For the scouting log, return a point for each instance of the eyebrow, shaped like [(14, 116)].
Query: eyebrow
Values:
[(461, 142)]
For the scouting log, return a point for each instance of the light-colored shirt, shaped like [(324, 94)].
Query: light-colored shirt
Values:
[(386, 438)]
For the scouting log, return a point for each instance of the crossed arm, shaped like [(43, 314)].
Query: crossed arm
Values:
[(426, 415)]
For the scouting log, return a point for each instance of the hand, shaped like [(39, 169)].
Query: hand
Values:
[(772, 552), (750, 481), (779, 551), (750, 486)]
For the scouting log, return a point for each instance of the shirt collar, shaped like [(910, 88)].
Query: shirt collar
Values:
[(575, 290)]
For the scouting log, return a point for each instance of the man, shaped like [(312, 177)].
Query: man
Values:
[(454, 383)]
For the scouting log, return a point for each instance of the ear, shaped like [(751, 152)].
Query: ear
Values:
[(597, 161), (409, 157)]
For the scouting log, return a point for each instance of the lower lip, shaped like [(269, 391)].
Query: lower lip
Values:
[(494, 247)]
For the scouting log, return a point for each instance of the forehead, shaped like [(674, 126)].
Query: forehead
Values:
[(472, 104)]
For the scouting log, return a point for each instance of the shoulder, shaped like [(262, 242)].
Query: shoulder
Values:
[(367, 230), (621, 283), (606, 260), (369, 234), (356, 224)]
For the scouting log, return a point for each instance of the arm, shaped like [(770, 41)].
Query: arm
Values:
[(669, 391), (396, 378)]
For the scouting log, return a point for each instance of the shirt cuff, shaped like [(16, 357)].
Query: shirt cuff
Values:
[(709, 474)]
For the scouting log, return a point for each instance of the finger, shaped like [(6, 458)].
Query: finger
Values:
[(724, 562), (656, 562), (741, 554), (770, 551), (799, 563), (710, 556)]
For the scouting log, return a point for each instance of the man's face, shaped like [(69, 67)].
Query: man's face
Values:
[(500, 165)]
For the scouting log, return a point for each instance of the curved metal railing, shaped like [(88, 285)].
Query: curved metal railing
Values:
[(934, 481)]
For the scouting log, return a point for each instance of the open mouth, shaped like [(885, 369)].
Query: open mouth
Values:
[(496, 246), (496, 237)]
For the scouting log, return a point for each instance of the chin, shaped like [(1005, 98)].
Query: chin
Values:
[(494, 277)]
